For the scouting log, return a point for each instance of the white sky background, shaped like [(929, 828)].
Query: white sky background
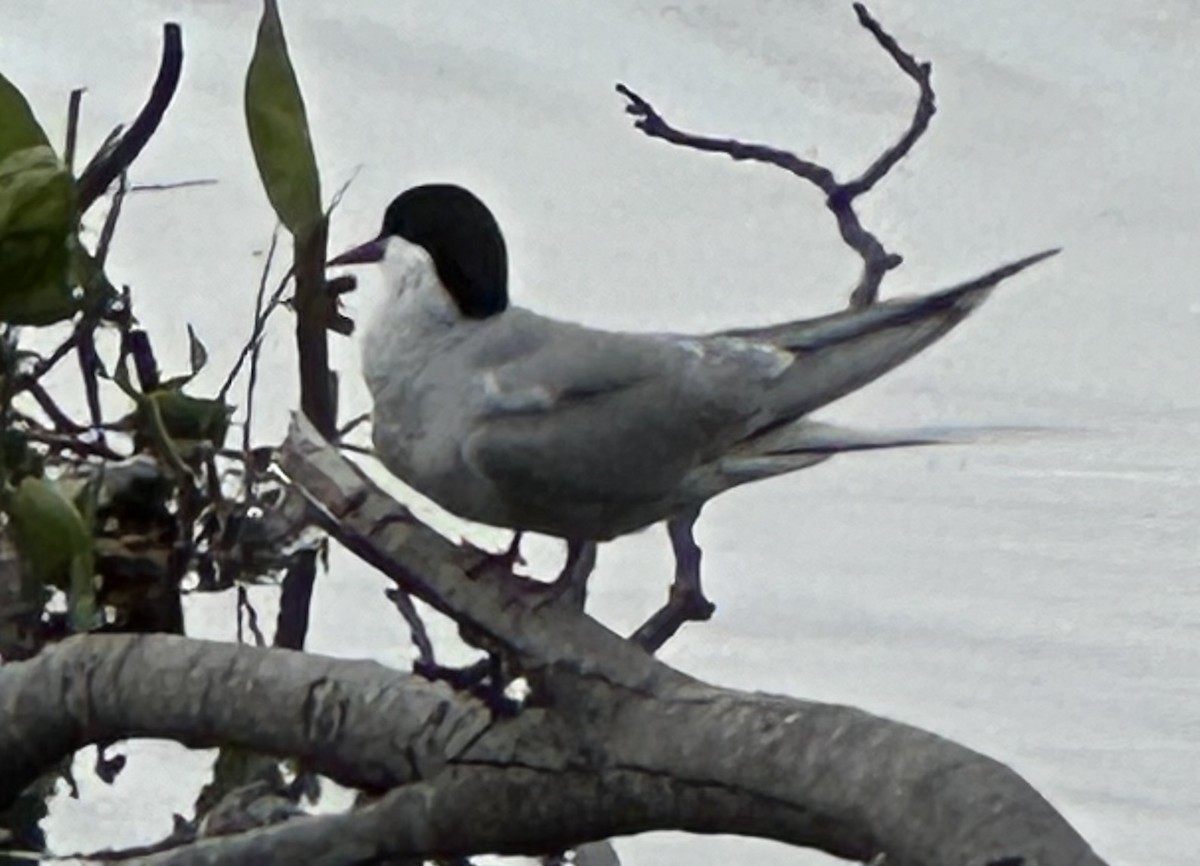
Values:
[(1034, 599)]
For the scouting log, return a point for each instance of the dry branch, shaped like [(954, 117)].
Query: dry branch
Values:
[(602, 759), (839, 197)]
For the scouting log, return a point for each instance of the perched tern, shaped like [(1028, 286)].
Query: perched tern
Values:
[(512, 419)]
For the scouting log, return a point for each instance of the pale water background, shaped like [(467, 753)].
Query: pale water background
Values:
[(1034, 599)]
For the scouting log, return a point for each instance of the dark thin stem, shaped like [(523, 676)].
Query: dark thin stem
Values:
[(352, 425), (72, 442), (655, 125), (64, 348), (110, 221), (244, 607), (255, 345), (61, 421), (839, 197), (256, 334), (97, 176), (89, 368), (403, 603), (179, 184), (923, 114), (73, 105)]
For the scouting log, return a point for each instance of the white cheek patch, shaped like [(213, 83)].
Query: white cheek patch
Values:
[(405, 265)]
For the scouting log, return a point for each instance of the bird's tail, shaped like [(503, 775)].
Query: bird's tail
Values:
[(805, 443), (840, 353)]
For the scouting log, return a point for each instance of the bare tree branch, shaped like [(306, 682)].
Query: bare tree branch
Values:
[(594, 758), (173, 185), (344, 719), (839, 197), (920, 72)]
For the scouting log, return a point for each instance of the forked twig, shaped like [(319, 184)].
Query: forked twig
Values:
[(839, 197)]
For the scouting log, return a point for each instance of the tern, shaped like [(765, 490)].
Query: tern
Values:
[(509, 418)]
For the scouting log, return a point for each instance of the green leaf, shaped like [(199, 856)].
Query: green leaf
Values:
[(18, 127), (197, 352), (278, 129), (52, 535), (36, 221), (184, 418)]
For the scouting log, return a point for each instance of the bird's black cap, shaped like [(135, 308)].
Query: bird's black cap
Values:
[(463, 239), (461, 236)]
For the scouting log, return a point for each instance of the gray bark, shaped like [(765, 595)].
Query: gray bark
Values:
[(611, 741)]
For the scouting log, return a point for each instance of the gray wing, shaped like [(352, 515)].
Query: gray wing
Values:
[(618, 418)]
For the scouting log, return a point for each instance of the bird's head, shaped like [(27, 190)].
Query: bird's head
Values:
[(459, 235)]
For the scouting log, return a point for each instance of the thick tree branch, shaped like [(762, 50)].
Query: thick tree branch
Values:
[(839, 197), (356, 722), (601, 758), (903, 790)]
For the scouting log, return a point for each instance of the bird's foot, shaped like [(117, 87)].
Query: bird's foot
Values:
[(499, 563), (570, 587)]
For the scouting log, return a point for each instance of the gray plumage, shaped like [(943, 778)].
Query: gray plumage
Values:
[(517, 420)]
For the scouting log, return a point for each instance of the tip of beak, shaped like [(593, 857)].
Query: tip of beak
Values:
[(371, 251)]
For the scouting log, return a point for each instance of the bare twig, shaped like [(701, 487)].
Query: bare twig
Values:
[(920, 72), (839, 197), (341, 192), (256, 333), (110, 220), (72, 442), (352, 425), (45, 365), (403, 603), (246, 609), (89, 369), (72, 127), (62, 422), (255, 346), (98, 175), (179, 184)]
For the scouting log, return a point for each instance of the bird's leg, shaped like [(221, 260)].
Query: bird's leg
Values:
[(686, 601), (504, 561), (511, 556), (571, 583)]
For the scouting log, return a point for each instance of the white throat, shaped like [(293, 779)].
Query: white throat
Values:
[(412, 311)]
